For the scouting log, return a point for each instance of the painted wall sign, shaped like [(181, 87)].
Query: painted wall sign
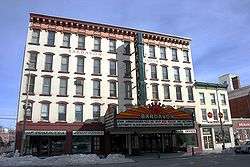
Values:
[(89, 133), (156, 116), (45, 133), (244, 124)]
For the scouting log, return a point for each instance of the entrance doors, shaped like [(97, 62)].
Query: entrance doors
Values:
[(207, 138), (150, 142)]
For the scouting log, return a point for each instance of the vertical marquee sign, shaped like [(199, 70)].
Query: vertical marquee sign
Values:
[(139, 65)]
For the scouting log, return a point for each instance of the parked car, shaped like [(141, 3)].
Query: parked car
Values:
[(244, 148)]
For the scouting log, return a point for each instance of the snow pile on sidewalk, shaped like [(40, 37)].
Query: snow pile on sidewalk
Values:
[(63, 160)]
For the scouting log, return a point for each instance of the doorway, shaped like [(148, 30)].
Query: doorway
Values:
[(207, 139)]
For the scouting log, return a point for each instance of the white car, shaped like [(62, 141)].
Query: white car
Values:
[(244, 148)]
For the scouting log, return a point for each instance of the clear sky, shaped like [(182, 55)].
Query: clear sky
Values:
[(220, 32)]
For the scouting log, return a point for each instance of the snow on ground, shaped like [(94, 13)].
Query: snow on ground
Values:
[(63, 160)]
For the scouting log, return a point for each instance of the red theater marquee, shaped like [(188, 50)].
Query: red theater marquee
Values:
[(154, 115)]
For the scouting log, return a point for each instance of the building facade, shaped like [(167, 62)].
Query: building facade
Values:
[(212, 113), (78, 69)]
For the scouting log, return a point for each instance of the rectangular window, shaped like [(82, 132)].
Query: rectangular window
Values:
[(48, 62), (112, 67), (45, 111), (97, 44), (185, 56), (66, 40), (188, 75), (204, 114), (97, 66), (62, 112), (33, 60), (174, 54), (223, 99), (127, 47), (78, 112), (31, 87), (164, 72), (176, 74), (128, 90), (178, 93), (51, 38), (79, 87), (96, 111), (155, 94), (166, 91), (190, 93), (113, 92), (163, 52), (112, 45), (96, 143), (202, 98), (213, 98), (80, 65), (63, 87), (29, 111), (96, 88), (81, 42), (215, 114), (225, 115), (46, 86), (153, 72), (127, 69), (151, 51), (218, 135), (65, 64), (35, 36)]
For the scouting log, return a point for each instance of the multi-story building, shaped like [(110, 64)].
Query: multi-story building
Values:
[(239, 100), (213, 115), (78, 69)]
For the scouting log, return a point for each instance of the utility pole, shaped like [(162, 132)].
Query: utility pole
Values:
[(221, 123), (26, 107)]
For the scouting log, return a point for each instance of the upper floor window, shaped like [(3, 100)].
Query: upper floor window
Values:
[(63, 87), (51, 38), (97, 43), (96, 111), (174, 54), (151, 51), (190, 93), (176, 74), (48, 62), (97, 66), (112, 45), (31, 86), (46, 85), (202, 98), (126, 47), (215, 114), (112, 67), (62, 109), (166, 91), (178, 92), (223, 99), (35, 36), (29, 111), (164, 72), (81, 42), (155, 93), (96, 88), (128, 90), (64, 63), (80, 65), (213, 98), (153, 71), (79, 87), (185, 56), (127, 69), (163, 52), (112, 88), (66, 40), (33, 60), (78, 112), (204, 114), (45, 111), (225, 115), (188, 75)]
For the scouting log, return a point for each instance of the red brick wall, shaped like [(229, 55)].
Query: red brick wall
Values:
[(240, 107)]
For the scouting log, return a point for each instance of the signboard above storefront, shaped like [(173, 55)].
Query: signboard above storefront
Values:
[(88, 133), (44, 133)]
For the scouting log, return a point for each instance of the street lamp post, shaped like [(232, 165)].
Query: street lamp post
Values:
[(26, 107)]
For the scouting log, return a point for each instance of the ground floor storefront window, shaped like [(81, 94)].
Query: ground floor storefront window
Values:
[(219, 136), (186, 140), (86, 144)]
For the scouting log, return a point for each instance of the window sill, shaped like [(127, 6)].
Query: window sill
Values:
[(154, 79), (112, 52), (78, 96), (112, 75), (80, 49), (30, 94), (80, 73), (126, 98), (45, 95), (113, 98), (66, 47), (152, 57), (179, 101), (163, 59), (62, 95), (47, 71), (177, 81), (27, 69), (65, 72), (165, 80), (96, 74), (186, 62), (191, 101), (43, 121), (58, 122), (50, 45), (96, 97), (30, 43), (96, 50), (155, 99), (175, 60), (167, 100), (189, 82)]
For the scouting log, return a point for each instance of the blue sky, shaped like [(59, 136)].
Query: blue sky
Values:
[(219, 30)]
